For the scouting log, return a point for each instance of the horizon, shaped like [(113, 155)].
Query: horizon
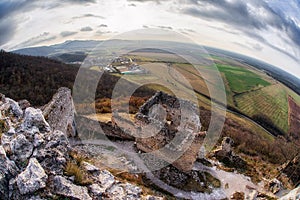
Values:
[(265, 30), (204, 46)]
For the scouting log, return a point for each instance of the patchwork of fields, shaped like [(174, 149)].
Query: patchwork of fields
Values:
[(249, 91)]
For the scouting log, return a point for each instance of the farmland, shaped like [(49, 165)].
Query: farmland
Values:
[(249, 91)]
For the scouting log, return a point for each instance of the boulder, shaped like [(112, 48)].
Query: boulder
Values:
[(8, 170), (66, 188), (34, 119), (96, 191), (15, 108), (90, 168), (61, 105), (32, 178), (116, 192), (54, 152), (106, 179), (133, 192), (21, 148), (24, 104)]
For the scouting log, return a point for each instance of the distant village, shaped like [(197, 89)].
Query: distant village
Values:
[(121, 65)]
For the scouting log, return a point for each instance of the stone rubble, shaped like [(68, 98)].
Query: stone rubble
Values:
[(34, 154)]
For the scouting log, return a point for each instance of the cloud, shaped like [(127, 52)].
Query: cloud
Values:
[(7, 30), (255, 15), (78, 1), (10, 8), (88, 15), (132, 4), (165, 27), (67, 33), (143, 1), (103, 25), (99, 32), (44, 37), (86, 29)]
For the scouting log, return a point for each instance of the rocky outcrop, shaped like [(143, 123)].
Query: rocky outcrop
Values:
[(8, 170), (294, 194), (173, 126), (225, 154), (61, 105), (34, 156), (66, 188), (32, 178), (92, 129), (34, 121)]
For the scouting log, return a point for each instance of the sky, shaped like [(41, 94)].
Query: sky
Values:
[(268, 30)]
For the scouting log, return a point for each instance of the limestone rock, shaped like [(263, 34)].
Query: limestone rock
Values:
[(106, 179), (32, 179), (96, 191), (24, 104), (15, 108), (133, 192), (8, 170), (34, 119), (7, 167), (294, 194), (53, 153), (66, 188), (176, 130), (90, 168), (21, 148), (116, 192), (60, 111)]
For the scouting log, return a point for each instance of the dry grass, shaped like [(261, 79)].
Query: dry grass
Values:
[(74, 168), (3, 127)]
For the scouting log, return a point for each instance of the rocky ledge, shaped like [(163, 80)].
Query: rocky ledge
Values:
[(36, 159)]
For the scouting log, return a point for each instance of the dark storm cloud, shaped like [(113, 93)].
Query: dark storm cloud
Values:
[(86, 29), (8, 23), (67, 33), (244, 16), (7, 30)]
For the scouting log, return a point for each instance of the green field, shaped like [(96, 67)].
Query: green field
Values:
[(270, 101), (240, 79), (248, 90)]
